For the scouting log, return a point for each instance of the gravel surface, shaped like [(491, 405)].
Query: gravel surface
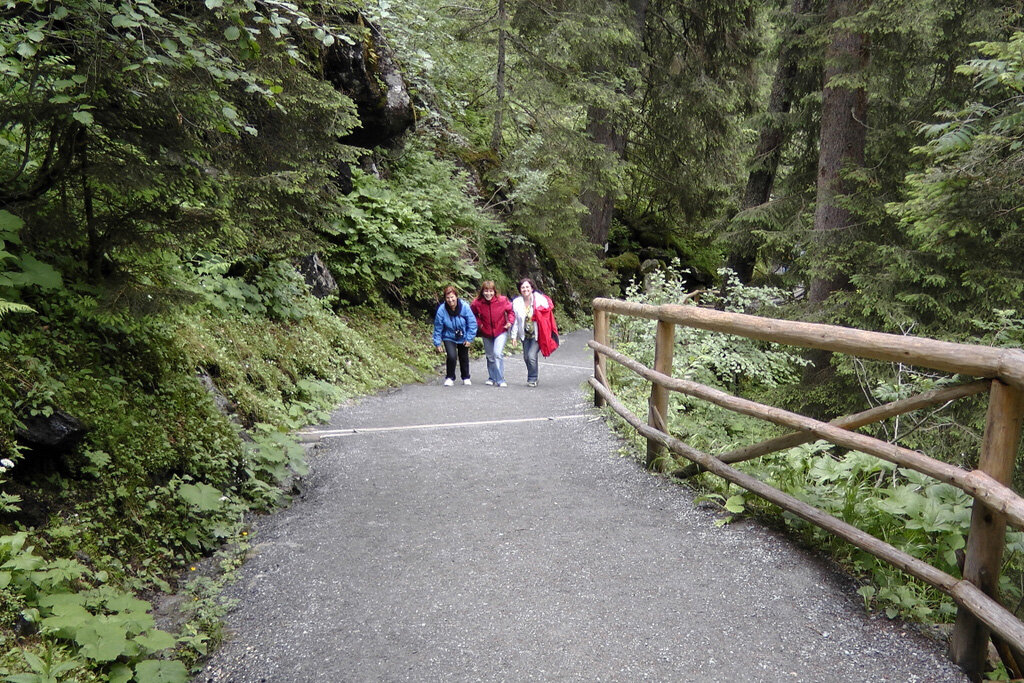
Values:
[(531, 550)]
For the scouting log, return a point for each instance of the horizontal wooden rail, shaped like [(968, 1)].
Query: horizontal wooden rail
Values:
[(849, 422), (977, 483), (967, 359), (964, 593)]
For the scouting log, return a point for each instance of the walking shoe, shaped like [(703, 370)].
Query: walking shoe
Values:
[(502, 384), (531, 384), (467, 381), (449, 382), (489, 382)]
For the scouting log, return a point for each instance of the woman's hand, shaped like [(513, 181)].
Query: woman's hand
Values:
[(440, 349)]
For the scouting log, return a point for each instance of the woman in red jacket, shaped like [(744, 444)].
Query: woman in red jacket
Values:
[(494, 317)]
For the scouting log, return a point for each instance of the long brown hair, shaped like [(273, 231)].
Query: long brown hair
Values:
[(488, 284)]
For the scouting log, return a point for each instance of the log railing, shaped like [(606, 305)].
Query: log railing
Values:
[(979, 615)]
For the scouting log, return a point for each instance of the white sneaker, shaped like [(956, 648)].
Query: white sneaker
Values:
[(489, 382), (449, 382), (467, 382), (531, 384), (502, 384)]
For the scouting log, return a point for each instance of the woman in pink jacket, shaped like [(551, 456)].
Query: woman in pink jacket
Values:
[(494, 317)]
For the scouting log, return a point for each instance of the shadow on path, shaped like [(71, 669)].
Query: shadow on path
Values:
[(524, 548)]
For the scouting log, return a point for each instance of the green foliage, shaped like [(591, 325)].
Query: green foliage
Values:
[(915, 47), (720, 360), (687, 155), (560, 61), (925, 518), (727, 362), (286, 374), (19, 270), (50, 668), (961, 216), (274, 289), (132, 130), (540, 179), (102, 626), (408, 235)]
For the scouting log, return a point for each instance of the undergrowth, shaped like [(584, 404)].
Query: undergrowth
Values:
[(162, 477)]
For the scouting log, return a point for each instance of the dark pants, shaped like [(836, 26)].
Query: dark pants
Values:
[(451, 349)]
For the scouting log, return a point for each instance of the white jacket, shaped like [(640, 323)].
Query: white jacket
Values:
[(540, 301)]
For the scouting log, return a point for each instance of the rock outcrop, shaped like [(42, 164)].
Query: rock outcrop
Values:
[(368, 73)]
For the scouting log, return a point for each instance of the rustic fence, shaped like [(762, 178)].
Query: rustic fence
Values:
[(980, 614)]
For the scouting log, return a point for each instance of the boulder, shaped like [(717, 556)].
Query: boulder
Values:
[(318, 277), (47, 443), (57, 433)]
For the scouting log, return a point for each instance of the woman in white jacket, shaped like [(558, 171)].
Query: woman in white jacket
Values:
[(524, 329)]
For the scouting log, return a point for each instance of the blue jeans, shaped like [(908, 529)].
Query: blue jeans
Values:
[(494, 349), (531, 351)]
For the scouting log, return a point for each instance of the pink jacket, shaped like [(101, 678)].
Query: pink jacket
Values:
[(493, 315)]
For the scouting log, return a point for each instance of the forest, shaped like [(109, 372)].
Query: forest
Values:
[(219, 219)]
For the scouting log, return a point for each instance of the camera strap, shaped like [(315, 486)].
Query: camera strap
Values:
[(455, 327)]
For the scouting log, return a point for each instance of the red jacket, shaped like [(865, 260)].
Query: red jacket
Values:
[(547, 330), (493, 315)]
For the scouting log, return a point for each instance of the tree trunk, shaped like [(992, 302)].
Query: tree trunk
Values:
[(600, 128), (769, 150), (94, 251), (600, 203), (841, 147), (499, 80), (843, 136)]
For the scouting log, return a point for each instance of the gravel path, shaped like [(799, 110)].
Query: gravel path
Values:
[(528, 549)]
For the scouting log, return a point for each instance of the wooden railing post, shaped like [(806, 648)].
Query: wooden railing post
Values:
[(657, 413), (987, 537), (600, 367)]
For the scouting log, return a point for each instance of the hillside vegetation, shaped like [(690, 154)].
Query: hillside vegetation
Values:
[(173, 175)]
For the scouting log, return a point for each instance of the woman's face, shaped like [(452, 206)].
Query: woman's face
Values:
[(488, 294), (525, 289), (451, 299)]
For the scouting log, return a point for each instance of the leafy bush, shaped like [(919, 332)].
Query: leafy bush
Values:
[(724, 361), (408, 235), (107, 628)]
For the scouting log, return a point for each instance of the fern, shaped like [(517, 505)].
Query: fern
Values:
[(12, 307)]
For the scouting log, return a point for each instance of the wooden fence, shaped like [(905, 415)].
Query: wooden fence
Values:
[(979, 614)]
